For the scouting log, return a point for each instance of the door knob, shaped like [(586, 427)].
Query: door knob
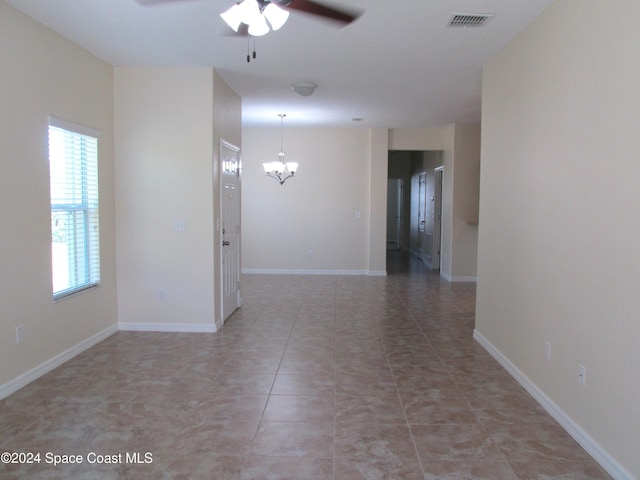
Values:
[(225, 243)]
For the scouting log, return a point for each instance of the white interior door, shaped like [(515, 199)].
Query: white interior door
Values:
[(230, 228)]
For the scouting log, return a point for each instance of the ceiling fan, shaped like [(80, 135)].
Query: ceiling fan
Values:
[(255, 18), (340, 15)]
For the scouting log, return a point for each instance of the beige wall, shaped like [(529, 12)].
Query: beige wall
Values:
[(466, 193), (166, 143), (377, 215), (44, 74), (559, 210), (418, 138), (315, 210)]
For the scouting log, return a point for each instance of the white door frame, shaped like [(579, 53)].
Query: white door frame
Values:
[(422, 210), (230, 235), (437, 221)]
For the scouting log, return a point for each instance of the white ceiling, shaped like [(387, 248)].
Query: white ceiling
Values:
[(398, 65)]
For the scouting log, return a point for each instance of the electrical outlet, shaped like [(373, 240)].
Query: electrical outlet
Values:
[(582, 375), (309, 253), (19, 334), (547, 350), (161, 294)]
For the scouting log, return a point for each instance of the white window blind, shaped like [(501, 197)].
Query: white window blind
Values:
[(75, 245)]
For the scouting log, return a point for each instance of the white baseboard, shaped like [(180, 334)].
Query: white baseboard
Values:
[(587, 442), (464, 279), (377, 273), (168, 327), (45, 367), (269, 271), (451, 278)]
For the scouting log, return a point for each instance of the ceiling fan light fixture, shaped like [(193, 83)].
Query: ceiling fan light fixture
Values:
[(233, 17), (258, 27), (250, 11), (277, 16)]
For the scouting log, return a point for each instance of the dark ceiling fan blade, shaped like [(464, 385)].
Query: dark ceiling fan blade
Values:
[(308, 6)]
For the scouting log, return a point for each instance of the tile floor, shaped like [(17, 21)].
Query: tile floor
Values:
[(319, 377)]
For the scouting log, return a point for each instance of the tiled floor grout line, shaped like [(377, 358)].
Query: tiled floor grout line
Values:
[(446, 366), (255, 433), (404, 413)]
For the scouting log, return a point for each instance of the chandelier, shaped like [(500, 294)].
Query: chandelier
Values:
[(280, 170), (255, 14)]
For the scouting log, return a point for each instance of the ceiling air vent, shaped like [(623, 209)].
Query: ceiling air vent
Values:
[(469, 19)]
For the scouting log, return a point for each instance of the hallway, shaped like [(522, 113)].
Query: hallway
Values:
[(315, 377)]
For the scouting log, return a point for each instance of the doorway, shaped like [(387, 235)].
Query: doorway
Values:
[(420, 217)]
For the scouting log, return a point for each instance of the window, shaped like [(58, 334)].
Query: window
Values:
[(73, 169)]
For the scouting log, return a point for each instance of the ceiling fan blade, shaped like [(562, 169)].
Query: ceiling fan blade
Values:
[(308, 6)]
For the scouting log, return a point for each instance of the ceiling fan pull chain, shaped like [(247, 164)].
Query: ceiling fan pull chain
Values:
[(249, 55)]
